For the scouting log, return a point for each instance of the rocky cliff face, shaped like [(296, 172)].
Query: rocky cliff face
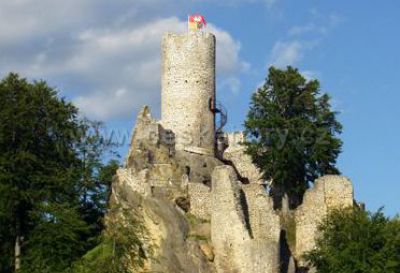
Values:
[(200, 217)]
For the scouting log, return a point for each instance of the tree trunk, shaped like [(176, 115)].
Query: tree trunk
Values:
[(17, 253), (18, 242), (278, 194)]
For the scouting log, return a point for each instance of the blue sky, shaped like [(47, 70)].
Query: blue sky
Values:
[(104, 56)]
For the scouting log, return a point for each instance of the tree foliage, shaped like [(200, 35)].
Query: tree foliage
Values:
[(55, 241), (94, 177), (357, 241), (53, 183), (37, 160), (292, 133), (121, 247)]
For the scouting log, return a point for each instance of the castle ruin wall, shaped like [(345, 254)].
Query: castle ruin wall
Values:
[(200, 200), (330, 192), (235, 153)]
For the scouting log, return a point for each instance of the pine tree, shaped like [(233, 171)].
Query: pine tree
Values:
[(292, 133), (95, 176)]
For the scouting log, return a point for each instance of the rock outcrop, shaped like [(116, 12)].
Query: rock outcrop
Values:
[(244, 230), (200, 217), (206, 209)]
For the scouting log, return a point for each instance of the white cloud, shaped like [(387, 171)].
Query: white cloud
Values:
[(24, 19), (227, 53), (127, 60), (286, 53), (309, 28), (135, 57), (233, 84), (309, 75), (302, 38), (111, 64), (321, 25)]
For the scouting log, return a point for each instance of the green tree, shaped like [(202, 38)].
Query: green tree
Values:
[(94, 185), (291, 133), (37, 132), (56, 240), (54, 186), (121, 247), (354, 240)]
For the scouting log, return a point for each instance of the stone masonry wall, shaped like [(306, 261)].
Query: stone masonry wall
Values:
[(228, 224), (330, 192), (200, 200), (235, 153), (237, 248), (188, 89), (264, 222), (265, 228)]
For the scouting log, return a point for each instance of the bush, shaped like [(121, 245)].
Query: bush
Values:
[(121, 248), (357, 241)]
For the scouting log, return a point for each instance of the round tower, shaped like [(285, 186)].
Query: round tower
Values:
[(188, 90)]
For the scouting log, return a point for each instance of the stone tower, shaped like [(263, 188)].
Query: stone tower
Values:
[(202, 210), (188, 90)]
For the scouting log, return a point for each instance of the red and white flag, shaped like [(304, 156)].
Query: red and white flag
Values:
[(196, 22)]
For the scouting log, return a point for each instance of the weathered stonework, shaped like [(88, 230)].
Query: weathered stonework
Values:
[(188, 90), (229, 234), (203, 213), (235, 153), (245, 231), (264, 221), (265, 229), (200, 200), (330, 192)]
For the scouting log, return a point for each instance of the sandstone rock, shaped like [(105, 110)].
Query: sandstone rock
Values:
[(233, 227), (199, 214), (183, 203), (292, 266), (207, 250), (200, 230)]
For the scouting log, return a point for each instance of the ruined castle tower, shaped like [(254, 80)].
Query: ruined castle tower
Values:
[(188, 90), (202, 210)]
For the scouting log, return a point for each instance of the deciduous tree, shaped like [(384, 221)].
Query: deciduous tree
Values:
[(54, 184), (357, 241)]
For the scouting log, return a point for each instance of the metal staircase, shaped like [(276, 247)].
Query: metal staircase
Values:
[(222, 118)]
